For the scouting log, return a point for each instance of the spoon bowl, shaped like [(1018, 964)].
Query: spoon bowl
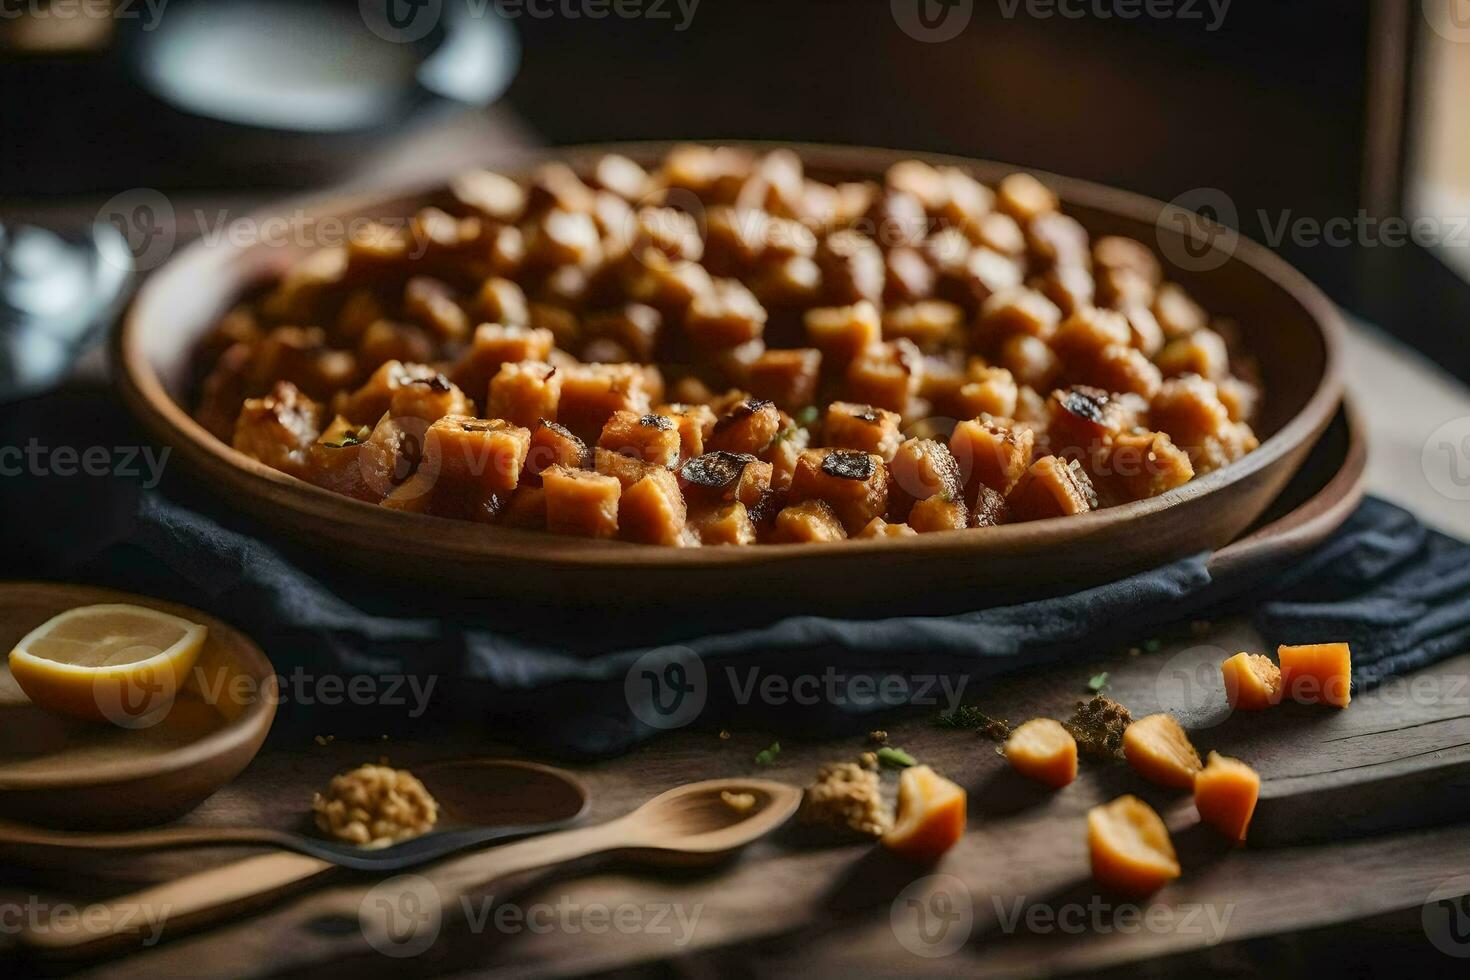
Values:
[(693, 823)]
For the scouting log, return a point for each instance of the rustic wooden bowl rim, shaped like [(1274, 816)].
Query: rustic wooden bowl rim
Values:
[(251, 723), (144, 392)]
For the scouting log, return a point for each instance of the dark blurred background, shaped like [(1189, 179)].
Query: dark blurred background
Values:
[(1290, 112)]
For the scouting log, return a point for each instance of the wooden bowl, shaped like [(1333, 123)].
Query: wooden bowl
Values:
[(59, 772), (1285, 320)]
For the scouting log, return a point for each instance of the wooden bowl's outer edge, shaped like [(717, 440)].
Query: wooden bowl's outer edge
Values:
[(241, 737), (1315, 519), (143, 392)]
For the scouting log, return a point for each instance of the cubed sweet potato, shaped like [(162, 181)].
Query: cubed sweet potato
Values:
[(591, 393), (1225, 793), (848, 425), (922, 468), (749, 426), (429, 398), (841, 333), (879, 528), (726, 523), (992, 452), (1157, 748), (553, 445), (524, 392), (581, 502), (495, 344), (652, 511), (1318, 673), (475, 457), (725, 315), (887, 375), (722, 477), (786, 377), (1052, 487), (279, 428), (808, 521), (654, 439), (941, 512), (1252, 681), (854, 484), (1041, 749), (1132, 855), (930, 816)]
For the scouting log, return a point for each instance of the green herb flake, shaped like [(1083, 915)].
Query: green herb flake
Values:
[(767, 756), (1152, 646), (807, 417), (897, 758), (1098, 682)]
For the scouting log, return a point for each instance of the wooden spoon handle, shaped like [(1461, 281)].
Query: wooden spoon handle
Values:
[(182, 904), (133, 840)]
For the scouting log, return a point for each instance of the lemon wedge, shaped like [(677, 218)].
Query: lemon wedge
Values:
[(114, 663)]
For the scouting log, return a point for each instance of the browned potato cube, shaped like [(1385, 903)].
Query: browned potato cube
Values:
[(301, 357), (1240, 398), (627, 470), (921, 468), (279, 428), (896, 219), (431, 304), (928, 186), (562, 238), (1030, 360), (1139, 465), (1117, 252), (672, 232), (854, 483), (581, 502), (1144, 327), (1177, 312), (525, 392), (502, 301), (725, 315), (1023, 197), (722, 524), (852, 267), (986, 273), (966, 200), (475, 456), (1202, 352), (940, 512), (495, 344), (842, 333), (724, 476), (1090, 330), (367, 404), (989, 391), (659, 281), (1189, 409), (633, 325), (334, 460), (553, 445), (384, 341), (992, 453), (591, 393), (930, 324), (1119, 369), (749, 426), (909, 276), (359, 311), (1058, 239), (1052, 487), (879, 528), (1019, 311), (654, 439), (886, 375), (693, 421), (652, 511), (1083, 420), (428, 398), (495, 196), (786, 377), (807, 522), (1071, 287), (989, 508), (849, 425), (782, 454)]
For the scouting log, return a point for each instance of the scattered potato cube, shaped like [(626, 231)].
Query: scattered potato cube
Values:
[(1157, 748), (887, 375), (726, 315), (1252, 682), (1225, 793), (1132, 855), (1041, 749), (1318, 673), (477, 456), (591, 393), (930, 818), (495, 344)]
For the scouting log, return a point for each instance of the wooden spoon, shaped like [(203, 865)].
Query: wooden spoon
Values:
[(690, 824), (482, 800)]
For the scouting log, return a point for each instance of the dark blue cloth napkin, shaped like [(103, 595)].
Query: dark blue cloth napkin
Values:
[(597, 682)]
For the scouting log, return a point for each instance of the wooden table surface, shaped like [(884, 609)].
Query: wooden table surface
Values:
[(1011, 899)]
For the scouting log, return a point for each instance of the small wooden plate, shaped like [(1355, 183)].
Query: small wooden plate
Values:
[(55, 771), (1285, 321)]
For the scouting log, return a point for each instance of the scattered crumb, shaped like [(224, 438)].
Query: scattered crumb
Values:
[(1134, 651), (739, 802), (971, 718), (1097, 724), (868, 760), (319, 740), (724, 735), (1200, 627), (878, 737), (845, 799)]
